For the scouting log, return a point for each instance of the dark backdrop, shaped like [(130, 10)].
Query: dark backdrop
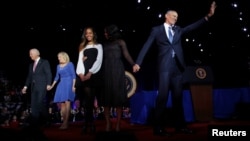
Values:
[(40, 24)]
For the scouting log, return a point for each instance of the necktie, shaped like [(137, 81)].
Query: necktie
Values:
[(170, 37), (34, 66), (170, 34)]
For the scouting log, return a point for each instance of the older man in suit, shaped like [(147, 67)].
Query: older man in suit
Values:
[(39, 80), (170, 67)]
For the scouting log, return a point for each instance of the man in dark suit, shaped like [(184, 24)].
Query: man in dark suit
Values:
[(170, 67), (39, 80)]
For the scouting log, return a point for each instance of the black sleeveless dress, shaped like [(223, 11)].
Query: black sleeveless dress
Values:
[(91, 54)]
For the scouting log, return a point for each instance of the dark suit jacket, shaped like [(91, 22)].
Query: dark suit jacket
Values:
[(159, 36), (42, 75), (38, 80)]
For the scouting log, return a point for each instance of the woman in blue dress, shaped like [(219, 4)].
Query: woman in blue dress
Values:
[(65, 90)]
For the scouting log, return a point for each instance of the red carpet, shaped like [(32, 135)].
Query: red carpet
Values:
[(130, 132), (135, 132)]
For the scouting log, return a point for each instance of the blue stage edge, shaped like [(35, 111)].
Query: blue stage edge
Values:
[(224, 104)]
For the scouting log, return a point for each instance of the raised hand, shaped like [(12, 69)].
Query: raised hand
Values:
[(212, 9)]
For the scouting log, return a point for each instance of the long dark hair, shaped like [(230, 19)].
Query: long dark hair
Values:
[(84, 41), (113, 32)]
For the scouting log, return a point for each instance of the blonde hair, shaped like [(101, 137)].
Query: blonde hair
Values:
[(64, 55)]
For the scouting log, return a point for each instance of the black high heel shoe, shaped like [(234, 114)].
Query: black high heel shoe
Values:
[(108, 127), (92, 128), (84, 129)]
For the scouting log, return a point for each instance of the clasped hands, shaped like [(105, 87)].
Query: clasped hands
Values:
[(136, 68), (85, 77)]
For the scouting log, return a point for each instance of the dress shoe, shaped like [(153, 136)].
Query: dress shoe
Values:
[(184, 131), (46, 125), (161, 132)]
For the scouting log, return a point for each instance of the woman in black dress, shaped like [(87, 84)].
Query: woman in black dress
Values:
[(88, 65), (115, 94)]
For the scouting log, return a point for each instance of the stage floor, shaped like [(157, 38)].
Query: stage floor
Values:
[(131, 132)]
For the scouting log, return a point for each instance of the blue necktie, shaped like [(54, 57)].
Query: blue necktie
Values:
[(170, 34), (170, 37)]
